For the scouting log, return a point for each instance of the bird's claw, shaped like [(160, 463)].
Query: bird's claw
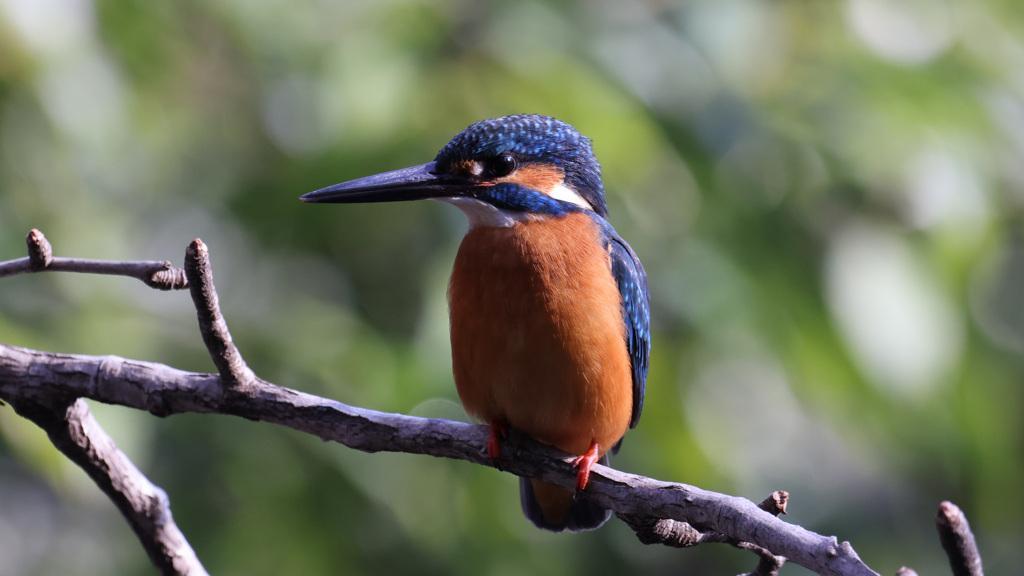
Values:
[(582, 465), (497, 432)]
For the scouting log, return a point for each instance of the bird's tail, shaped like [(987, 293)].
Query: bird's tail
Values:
[(554, 509)]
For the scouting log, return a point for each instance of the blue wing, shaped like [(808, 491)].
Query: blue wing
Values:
[(636, 311)]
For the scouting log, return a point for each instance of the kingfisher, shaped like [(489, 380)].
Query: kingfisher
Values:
[(549, 307)]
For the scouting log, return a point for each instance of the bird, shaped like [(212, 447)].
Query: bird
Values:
[(549, 307)]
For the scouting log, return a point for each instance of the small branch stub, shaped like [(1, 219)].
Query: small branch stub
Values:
[(40, 253), (957, 540), (671, 533), (775, 503)]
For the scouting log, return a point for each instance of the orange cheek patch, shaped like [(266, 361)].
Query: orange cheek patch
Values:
[(537, 177)]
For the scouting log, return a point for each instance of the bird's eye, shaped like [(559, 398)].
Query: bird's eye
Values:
[(503, 165)]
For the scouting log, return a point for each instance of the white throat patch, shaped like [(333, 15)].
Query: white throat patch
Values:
[(481, 213)]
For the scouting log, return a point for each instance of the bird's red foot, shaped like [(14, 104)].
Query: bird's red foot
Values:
[(498, 431), (583, 464)]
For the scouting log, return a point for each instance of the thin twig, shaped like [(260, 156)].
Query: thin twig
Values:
[(156, 274), (73, 430), (957, 540), (214, 329), (768, 564)]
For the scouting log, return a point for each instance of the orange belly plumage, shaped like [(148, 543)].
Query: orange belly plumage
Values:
[(538, 340)]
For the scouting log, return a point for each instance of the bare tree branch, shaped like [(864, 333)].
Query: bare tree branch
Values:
[(73, 430), (47, 388), (957, 540), (163, 390), (160, 275)]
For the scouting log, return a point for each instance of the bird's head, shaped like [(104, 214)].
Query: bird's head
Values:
[(497, 171)]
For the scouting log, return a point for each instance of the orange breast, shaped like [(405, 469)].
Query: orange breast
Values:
[(538, 339)]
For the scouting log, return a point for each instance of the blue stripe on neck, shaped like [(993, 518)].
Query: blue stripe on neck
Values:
[(518, 198)]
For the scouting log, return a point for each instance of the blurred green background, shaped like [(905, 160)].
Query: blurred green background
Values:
[(827, 197)]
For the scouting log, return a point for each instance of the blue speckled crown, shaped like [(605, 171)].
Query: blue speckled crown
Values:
[(532, 138)]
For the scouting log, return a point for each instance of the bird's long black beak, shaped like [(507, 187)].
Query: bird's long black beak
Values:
[(415, 183)]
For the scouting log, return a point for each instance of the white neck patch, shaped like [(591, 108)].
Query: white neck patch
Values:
[(481, 213), (562, 192)]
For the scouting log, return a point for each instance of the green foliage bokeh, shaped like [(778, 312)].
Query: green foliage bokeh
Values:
[(827, 198)]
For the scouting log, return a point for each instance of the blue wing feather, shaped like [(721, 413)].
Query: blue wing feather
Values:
[(636, 311)]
